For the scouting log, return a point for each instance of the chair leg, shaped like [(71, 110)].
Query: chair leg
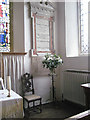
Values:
[(26, 110), (34, 105), (28, 105), (40, 105)]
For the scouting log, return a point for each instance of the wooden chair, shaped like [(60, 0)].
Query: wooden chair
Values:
[(28, 91)]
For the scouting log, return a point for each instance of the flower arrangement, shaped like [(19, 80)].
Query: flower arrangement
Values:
[(51, 62)]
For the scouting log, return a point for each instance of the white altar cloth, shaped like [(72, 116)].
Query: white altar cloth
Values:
[(10, 107)]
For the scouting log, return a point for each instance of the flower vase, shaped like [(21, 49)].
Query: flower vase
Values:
[(52, 71)]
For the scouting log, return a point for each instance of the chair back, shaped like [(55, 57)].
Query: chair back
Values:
[(27, 84)]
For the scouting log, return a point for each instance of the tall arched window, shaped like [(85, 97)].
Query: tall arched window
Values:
[(4, 26)]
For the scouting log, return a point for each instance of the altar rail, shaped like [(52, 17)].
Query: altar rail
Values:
[(12, 64), (72, 85)]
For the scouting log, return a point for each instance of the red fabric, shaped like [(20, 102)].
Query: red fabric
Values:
[(1, 15)]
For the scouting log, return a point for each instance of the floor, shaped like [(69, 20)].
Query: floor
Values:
[(59, 110)]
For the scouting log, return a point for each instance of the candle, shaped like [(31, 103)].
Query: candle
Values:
[(1, 80), (8, 82)]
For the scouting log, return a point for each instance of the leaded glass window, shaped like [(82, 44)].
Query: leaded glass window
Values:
[(84, 26), (4, 26)]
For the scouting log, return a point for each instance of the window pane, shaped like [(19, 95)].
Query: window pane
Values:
[(4, 26), (84, 26)]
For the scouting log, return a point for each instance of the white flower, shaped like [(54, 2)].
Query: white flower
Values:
[(52, 61), (50, 58), (52, 55), (60, 60), (44, 57)]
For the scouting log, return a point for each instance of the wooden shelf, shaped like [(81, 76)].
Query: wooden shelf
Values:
[(13, 53)]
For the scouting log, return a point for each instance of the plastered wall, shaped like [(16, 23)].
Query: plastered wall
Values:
[(22, 43), (80, 62)]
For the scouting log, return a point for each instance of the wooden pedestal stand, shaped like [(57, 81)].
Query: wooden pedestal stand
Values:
[(53, 87)]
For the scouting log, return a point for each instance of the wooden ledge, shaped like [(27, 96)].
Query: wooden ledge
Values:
[(13, 53)]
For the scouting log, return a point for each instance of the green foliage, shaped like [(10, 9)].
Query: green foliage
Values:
[(51, 62)]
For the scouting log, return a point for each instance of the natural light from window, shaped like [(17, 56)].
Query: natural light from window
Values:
[(84, 27)]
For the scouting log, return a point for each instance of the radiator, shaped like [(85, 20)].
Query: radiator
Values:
[(72, 85)]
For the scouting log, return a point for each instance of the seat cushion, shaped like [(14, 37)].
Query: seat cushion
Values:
[(32, 97)]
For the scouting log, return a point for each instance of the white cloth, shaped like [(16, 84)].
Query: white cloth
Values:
[(10, 107)]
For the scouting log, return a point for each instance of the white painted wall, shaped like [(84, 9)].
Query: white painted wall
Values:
[(42, 85), (27, 39), (18, 27), (22, 43), (21, 32), (42, 82), (80, 62), (22, 40)]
